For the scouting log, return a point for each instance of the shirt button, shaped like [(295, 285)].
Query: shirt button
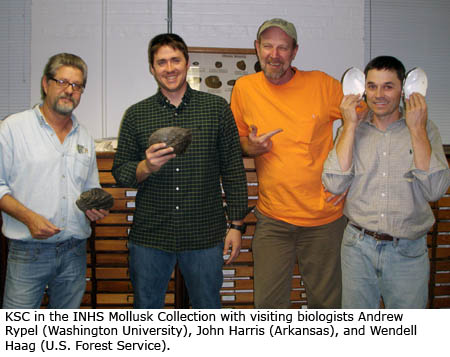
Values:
[(176, 114), (177, 169), (178, 189), (177, 207), (384, 173), (384, 154), (382, 215), (382, 195)]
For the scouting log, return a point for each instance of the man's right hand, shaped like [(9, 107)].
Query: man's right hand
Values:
[(156, 156), (258, 145), (40, 227), (348, 108)]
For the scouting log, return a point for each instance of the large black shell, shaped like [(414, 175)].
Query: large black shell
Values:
[(176, 137), (95, 198)]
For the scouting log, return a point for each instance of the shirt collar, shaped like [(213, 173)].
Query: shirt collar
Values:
[(162, 99), (398, 123), (42, 120)]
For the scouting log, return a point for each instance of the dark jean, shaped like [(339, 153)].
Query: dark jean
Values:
[(150, 271), (33, 266)]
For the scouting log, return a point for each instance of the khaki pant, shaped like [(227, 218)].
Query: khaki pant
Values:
[(277, 245)]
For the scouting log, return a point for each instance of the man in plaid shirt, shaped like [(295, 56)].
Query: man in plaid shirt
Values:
[(179, 214)]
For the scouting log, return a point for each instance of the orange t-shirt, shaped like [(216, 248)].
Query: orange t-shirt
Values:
[(289, 176)]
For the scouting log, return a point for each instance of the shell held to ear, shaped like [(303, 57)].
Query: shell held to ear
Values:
[(353, 81), (416, 81)]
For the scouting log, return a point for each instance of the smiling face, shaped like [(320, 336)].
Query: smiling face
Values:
[(383, 94), (170, 68), (63, 100), (276, 51)]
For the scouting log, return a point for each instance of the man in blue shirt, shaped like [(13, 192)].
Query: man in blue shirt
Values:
[(47, 159)]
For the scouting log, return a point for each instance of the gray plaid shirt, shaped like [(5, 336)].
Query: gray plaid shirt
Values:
[(388, 194)]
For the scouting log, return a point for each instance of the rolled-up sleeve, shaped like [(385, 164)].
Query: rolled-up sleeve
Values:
[(334, 179), (6, 157), (434, 182), (92, 180)]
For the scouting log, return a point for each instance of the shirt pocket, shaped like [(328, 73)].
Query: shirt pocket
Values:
[(78, 166), (305, 128)]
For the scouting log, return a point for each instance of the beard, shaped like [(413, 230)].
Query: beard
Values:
[(272, 73), (64, 108)]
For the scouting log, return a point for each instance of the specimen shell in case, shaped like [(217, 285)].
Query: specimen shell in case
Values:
[(213, 82)]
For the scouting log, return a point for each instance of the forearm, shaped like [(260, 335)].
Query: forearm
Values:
[(246, 147), (421, 148), (14, 208), (142, 171), (238, 223), (344, 146), (334, 179)]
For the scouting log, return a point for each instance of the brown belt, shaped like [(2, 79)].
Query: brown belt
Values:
[(377, 236)]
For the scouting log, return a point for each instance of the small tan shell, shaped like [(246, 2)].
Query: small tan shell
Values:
[(213, 82), (241, 65)]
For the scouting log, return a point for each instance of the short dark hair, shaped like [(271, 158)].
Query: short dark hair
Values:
[(166, 39), (60, 60), (387, 63)]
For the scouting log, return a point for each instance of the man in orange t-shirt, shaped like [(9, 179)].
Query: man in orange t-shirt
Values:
[(297, 218)]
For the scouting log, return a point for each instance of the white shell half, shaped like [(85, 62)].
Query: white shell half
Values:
[(416, 81), (353, 82)]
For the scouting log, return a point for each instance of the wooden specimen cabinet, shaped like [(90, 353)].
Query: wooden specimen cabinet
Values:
[(109, 286)]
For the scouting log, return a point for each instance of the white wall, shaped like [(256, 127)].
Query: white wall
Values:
[(418, 33), (15, 29), (112, 36)]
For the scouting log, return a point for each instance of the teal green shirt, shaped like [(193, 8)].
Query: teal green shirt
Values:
[(180, 207)]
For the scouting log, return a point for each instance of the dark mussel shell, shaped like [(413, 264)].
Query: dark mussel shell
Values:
[(95, 198), (176, 137)]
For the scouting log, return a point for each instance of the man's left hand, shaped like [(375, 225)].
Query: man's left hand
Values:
[(232, 239), (337, 198), (416, 112), (94, 214)]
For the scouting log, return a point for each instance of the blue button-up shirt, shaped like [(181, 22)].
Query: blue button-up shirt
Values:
[(45, 175)]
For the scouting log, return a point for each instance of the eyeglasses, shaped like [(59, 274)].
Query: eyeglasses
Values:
[(63, 84)]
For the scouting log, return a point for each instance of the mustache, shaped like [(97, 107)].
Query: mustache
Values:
[(64, 96)]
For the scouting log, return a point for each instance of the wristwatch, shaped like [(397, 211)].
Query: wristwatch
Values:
[(241, 228)]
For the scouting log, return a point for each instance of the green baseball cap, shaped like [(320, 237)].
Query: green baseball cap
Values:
[(284, 25)]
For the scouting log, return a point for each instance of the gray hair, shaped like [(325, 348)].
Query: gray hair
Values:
[(59, 60)]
